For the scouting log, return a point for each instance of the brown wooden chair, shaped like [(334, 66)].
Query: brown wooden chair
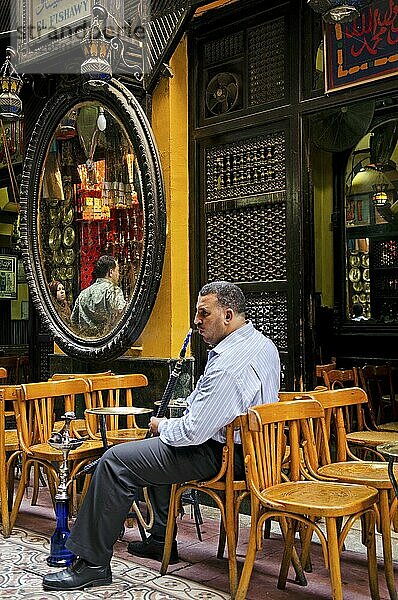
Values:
[(115, 390), (227, 494), (35, 421), (300, 500), (79, 425), (9, 452), (319, 369), (11, 364), (377, 381), (3, 375), (356, 471)]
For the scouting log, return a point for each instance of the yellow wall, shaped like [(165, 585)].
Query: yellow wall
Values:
[(323, 208), (169, 322)]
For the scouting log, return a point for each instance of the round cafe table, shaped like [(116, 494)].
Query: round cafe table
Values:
[(390, 451), (122, 435)]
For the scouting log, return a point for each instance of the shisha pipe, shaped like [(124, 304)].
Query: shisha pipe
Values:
[(171, 384), (60, 556)]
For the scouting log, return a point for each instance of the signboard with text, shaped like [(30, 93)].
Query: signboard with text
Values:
[(363, 50), (48, 15), (8, 276)]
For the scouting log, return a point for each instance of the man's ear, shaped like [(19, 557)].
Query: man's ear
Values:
[(229, 314)]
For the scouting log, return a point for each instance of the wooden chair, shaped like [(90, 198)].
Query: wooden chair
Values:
[(300, 500), (115, 390), (228, 495), (9, 452), (11, 364), (377, 381), (3, 375), (371, 473), (79, 425), (319, 369), (35, 420)]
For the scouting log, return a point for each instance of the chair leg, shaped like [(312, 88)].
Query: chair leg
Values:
[(334, 559), (222, 538), (294, 557), (231, 545), (5, 516), (19, 494), (289, 531), (385, 528), (250, 554), (369, 539)]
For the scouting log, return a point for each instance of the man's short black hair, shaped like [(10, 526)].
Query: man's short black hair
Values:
[(228, 295), (103, 265)]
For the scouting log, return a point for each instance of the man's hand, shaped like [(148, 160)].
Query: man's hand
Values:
[(154, 424)]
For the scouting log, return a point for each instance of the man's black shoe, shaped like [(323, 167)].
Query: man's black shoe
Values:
[(80, 575), (151, 548)]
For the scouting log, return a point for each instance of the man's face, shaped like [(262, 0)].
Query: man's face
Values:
[(114, 274), (210, 319)]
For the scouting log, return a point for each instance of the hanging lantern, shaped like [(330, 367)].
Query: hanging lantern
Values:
[(338, 11), (10, 88), (379, 196), (97, 50)]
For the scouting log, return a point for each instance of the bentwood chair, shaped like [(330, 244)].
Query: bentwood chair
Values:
[(35, 421), (303, 498), (371, 473), (228, 494), (377, 381), (79, 425), (9, 452), (111, 391), (3, 375)]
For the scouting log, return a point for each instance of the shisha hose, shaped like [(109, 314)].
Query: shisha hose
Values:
[(167, 395), (171, 384)]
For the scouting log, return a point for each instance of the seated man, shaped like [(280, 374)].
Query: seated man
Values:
[(242, 370), (98, 307)]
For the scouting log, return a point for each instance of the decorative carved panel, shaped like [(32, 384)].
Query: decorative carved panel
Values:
[(267, 52), (268, 312), (256, 165)]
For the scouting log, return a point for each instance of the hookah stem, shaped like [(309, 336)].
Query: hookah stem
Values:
[(170, 387), (167, 394)]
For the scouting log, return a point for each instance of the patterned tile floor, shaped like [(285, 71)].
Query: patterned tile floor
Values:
[(198, 576)]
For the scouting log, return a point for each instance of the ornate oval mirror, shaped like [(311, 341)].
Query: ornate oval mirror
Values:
[(93, 219)]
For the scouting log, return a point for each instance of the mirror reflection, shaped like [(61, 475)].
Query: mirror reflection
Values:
[(91, 220), (371, 219)]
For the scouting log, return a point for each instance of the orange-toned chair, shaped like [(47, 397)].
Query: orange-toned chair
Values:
[(35, 422), (372, 473), (9, 452), (228, 495), (305, 496)]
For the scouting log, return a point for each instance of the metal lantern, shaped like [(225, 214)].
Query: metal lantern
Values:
[(10, 87), (97, 50), (338, 11)]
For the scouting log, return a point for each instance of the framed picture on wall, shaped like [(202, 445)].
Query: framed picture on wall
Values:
[(362, 50), (8, 277)]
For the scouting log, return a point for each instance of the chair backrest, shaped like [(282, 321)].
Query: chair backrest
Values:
[(264, 437), (319, 369), (378, 382), (11, 364), (335, 402), (36, 404), (115, 390), (63, 376), (339, 378)]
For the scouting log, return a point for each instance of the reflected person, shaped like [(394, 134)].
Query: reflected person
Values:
[(57, 291), (98, 307)]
